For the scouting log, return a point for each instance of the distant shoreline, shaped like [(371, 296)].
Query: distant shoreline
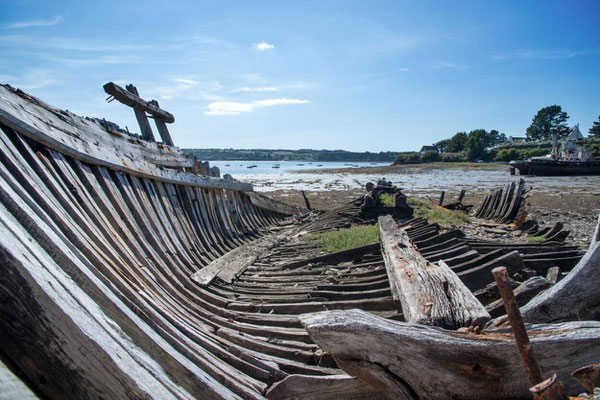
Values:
[(413, 168)]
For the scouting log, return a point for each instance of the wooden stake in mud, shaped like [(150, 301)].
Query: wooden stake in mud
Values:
[(306, 202), (516, 322)]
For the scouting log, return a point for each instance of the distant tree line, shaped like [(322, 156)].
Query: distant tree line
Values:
[(492, 145), (291, 155)]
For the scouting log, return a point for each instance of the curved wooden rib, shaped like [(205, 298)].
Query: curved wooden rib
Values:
[(409, 360), (576, 296)]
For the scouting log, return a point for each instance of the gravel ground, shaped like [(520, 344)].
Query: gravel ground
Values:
[(578, 211)]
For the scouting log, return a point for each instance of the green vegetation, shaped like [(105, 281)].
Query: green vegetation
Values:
[(594, 131), (535, 239), (548, 120), (291, 155), (345, 239), (386, 199), (437, 214)]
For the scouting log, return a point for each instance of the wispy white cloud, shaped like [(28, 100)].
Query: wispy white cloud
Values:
[(234, 108), (190, 88), (262, 46), (60, 43), (547, 54), (95, 59), (33, 79), (298, 85), (404, 69), (35, 23), (248, 89), (449, 65)]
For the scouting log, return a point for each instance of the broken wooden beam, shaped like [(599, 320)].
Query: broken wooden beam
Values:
[(439, 364), (429, 293), (233, 263), (132, 100)]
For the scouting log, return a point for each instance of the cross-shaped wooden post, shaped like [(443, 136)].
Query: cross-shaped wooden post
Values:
[(131, 98)]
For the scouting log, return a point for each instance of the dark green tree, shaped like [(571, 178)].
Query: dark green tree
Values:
[(548, 120), (594, 131), (457, 143), (442, 145), (495, 138), (477, 141)]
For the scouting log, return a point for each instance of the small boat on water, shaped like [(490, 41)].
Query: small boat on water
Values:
[(275, 166), (319, 165), (299, 164), (568, 159), (227, 165), (252, 166)]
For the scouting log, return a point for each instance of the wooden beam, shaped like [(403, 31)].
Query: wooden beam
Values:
[(132, 100), (438, 364), (88, 142), (162, 128), (233, 263), (140, 116), (430, 294), (576, 296)]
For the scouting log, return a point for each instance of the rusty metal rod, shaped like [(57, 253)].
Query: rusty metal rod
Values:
[(518, 327)]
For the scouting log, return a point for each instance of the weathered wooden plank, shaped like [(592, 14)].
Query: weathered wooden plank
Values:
[(132, 99), (233, 263), (87, 141), (268, 204), (331, 387), (430, 294), (56, 310), (433, 363), (13, 387), (576, 296)]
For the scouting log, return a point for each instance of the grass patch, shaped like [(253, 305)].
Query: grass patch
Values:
[(386, 199), (436, 214), (345, 239), (536, 239)]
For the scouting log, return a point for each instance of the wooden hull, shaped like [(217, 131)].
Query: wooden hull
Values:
[(556, 168)]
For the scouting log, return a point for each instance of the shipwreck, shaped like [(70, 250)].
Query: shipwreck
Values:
[(130, 271)]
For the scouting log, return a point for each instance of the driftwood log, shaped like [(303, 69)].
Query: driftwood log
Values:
[(576, 296), (430, 293), (410, 361)]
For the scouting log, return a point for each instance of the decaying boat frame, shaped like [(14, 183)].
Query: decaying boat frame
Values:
[(131, 271)]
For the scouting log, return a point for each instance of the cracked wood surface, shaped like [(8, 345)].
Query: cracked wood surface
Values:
[(411, 361), (430, 293)]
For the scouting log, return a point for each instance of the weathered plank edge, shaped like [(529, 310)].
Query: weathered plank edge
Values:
[(429, 293), (437, 363), (268, 204), (144, 169)]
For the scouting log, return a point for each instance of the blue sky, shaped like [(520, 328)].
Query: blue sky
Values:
[(363, 76)]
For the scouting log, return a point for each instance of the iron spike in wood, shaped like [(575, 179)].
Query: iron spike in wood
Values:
[(516, 322), (130, 99)]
